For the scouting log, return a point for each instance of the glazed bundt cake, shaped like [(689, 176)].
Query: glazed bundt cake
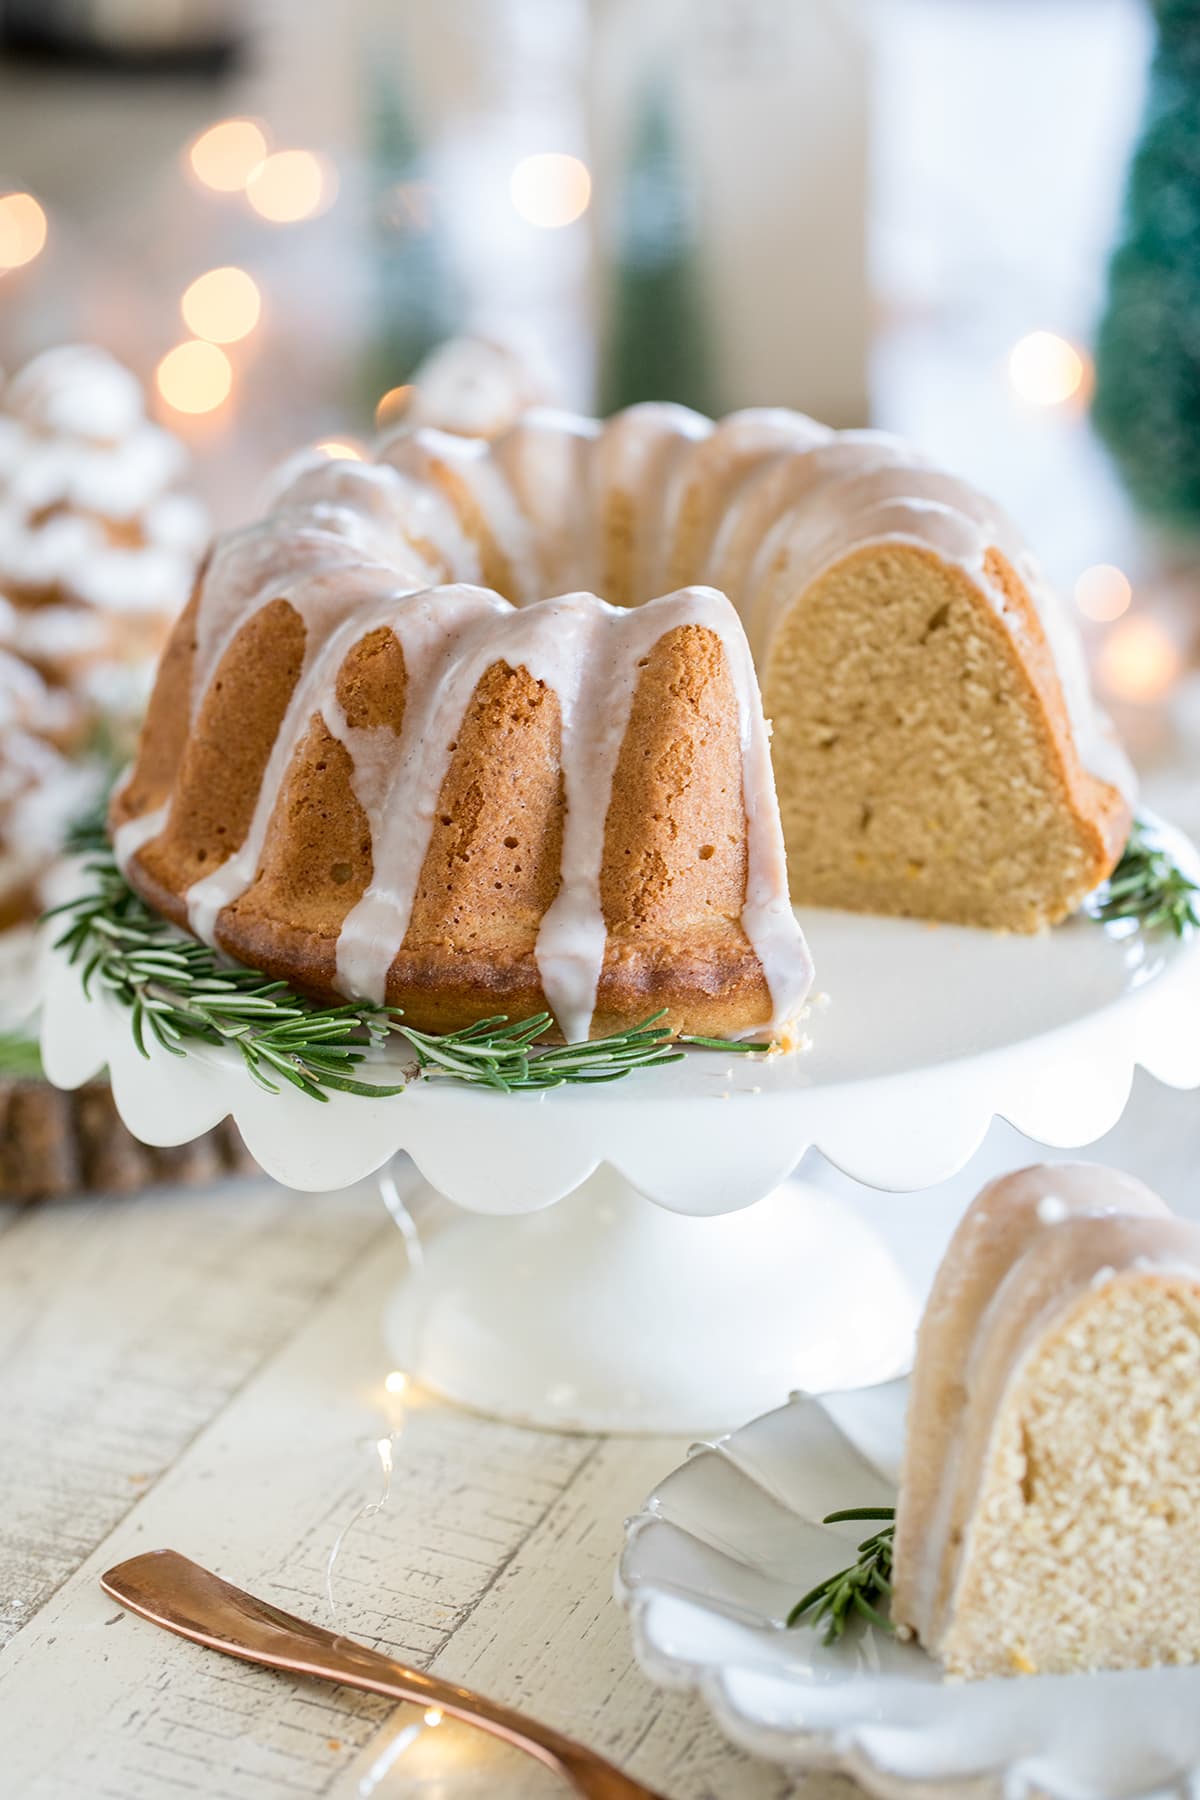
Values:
[(1050, 1492), (462, 807), (603, 837)]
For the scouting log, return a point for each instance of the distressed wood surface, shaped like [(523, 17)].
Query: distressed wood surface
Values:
[(206, 1370)]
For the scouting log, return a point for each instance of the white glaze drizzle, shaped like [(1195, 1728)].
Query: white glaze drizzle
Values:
[(547, 459), (338, 606), (587, 653), (422, 454)]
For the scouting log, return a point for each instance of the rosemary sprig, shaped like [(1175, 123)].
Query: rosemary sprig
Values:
[(179, 992), (20, 1058), (853, 1591), (1149, 886)]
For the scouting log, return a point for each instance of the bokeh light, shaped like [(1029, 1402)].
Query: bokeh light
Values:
[(222, 306), (194, 377), (433, 1717), (1045, 369), (226, 155), (1103, 592), (1139, 660), (291, 185), (393, 406), (338, 450), (396, 1381), (22, 230), (550, 189)]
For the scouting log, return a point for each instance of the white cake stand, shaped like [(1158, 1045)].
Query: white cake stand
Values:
[(557, 1296)]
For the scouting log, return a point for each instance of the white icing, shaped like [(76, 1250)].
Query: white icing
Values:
[(338, 607), (588, 653), (433, 456), (471, 386)]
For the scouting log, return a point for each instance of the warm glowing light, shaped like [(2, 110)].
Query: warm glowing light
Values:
[(396, 1382), (22, 230), (194, 377), (1103, 592), (338, 451), (1139, 660), (551, 189), (434, 1716), (291, 185), (1045, 369), (384, 1448), (225, 156), (393, 406), (222, 306)]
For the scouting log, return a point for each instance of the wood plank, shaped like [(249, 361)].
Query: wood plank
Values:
[(125, 1326), (574, 1666), (260, 1494)]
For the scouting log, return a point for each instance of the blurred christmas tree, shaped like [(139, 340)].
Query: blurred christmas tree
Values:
[(655, 346), (417, 303), (1147, 404)]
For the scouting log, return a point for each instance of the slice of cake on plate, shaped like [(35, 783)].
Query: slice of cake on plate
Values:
[(1049, 1515)]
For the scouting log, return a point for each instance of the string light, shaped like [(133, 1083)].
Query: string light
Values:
[(389, 1757), (396, 1382), (1046, 370), (551, 189), (1138, 660), (433, 1717), (22, 230), (291, 185), (222, 306), (1103, 593), (194, 377), (337, 450), (226, 155), (393, 406)]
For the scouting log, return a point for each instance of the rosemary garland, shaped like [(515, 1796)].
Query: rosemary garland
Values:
[(1148, 886), (20, 1058), (179, 991), (856, 1591)]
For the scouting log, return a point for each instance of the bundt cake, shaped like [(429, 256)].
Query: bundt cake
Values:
[(1050, 1491), (462, 807), (935, 745), (470, 385), (98, 544)]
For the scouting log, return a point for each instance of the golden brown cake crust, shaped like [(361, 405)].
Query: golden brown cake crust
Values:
[(675, 858)]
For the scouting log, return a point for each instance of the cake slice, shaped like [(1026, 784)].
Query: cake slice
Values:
[(936, 746), (1049, 1516)]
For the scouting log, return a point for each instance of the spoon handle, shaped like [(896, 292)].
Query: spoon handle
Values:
[(176, 1593)]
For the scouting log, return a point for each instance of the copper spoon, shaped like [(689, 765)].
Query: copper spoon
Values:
[(170, 1590)]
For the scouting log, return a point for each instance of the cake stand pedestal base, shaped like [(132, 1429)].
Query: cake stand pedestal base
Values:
[(605, 1314)]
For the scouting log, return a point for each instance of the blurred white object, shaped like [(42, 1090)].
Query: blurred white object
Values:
[(474, 387), (770, 101)]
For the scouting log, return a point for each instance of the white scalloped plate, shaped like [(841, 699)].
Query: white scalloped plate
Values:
[(728, 1542), (930, 1032)]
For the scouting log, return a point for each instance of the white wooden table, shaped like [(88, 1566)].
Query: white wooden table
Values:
[(206, 1370)]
